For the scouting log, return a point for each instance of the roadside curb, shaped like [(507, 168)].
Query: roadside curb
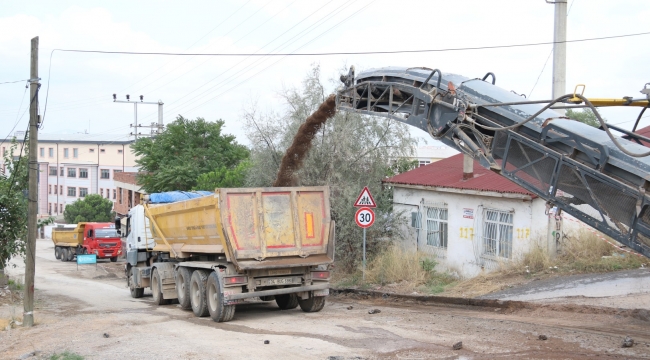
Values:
[(640, 314)]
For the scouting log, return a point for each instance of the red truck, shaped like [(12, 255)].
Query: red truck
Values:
[(100, 239)]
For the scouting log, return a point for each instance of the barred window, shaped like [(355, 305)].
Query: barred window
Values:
[(497, 233), (436, 226)]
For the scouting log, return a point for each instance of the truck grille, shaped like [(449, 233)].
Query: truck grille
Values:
[(107, 245)]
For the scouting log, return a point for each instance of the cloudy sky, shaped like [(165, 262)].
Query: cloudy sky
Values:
[(81, 84)]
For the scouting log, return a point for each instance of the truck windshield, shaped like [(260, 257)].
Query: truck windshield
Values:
[(106, 233)]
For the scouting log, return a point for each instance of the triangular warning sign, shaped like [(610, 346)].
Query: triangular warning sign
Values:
[(365, 199)]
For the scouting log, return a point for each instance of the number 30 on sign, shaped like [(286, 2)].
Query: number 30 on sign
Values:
[(364, 217)]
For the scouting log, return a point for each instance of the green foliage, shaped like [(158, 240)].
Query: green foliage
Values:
[(587, 116), (92, 208), (66, 355), (175, 159), (349, 152), (223, 177), (15, 285), (13, 204)]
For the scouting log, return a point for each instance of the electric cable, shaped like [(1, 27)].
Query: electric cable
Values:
[(17, 118), (360, 52), (13, 82)]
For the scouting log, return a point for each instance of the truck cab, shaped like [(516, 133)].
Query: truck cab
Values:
[(102, 240)]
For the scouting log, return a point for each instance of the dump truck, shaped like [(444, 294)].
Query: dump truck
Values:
[(215, 251), (100, 239)]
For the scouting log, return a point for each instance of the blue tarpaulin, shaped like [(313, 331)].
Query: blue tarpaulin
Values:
[(175, 196)]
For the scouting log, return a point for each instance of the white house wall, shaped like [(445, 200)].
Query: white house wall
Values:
[(463, 254)]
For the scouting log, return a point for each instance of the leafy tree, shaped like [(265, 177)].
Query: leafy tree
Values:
[(350, 151), (13, 204), (587, 116), (223, 177), (92, 208), (175, 159)]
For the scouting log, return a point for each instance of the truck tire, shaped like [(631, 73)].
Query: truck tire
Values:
[(156, 289), (218, 311), (114, 259), (71, 253), (183, 278), (286, 301), (57, 253), (64, 254), (198, 293), (313, 304), (135, 292)]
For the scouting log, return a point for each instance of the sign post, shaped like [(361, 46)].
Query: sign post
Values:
[(86, 259), (365, 217)]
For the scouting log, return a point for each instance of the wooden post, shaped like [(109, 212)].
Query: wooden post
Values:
[(32, 209)]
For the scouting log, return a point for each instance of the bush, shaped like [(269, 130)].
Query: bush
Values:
[(92, 208)]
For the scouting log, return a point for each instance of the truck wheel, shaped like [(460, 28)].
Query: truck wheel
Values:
[(71, 253), (218, 311), (114, 259), (156, 289), (183, 278), (197, 293), (313, 304), (135, 292), (286, 301), (84, 251), (64, 254), (57, 252)]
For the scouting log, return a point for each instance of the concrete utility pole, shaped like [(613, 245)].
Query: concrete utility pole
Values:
[(559, 49), (32, 207), (136, 126)]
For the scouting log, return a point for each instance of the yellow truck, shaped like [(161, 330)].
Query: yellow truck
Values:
[(214, 251)]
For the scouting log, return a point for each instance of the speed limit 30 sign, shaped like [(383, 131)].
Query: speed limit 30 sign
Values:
[(364, 217)]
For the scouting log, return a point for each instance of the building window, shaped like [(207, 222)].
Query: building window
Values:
[(497, 233), (106, 174), (49, 211), (55, 189), (102, 151), (42, 151), (83, 192), (52, 170), (61, 189), (50, 152), (75, 153), (66, 153), (72, 191), (91, 150), (119, 151), (436, 226), (424, 162), (114, 194), (4, 151), (60, 208), (72, 172), (83, 173), (49, 189), (101, 192), (119, 199), (115, 172), (62, 172)]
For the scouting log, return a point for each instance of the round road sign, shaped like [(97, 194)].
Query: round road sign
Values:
[(364, 217)]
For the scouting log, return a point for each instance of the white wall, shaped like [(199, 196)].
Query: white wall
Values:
[(463, 254)]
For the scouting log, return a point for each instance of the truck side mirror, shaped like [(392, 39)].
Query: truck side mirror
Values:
[(118, 225)]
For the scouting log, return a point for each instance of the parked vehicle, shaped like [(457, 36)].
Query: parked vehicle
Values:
[(213, 252), (100, 239)]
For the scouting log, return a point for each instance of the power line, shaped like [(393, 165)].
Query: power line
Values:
[(13, 82), (358, 52)]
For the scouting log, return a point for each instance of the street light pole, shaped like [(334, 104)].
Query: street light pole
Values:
[(559, 49)]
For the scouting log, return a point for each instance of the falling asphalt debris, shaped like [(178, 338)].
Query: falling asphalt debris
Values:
[(106, 335), (543, 337), (266, 342), (374, 311), (458, 345), (627, 342)]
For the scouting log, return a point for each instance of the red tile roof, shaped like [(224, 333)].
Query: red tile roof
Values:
[(643, 132), (448, 173)]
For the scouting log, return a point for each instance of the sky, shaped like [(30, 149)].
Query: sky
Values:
[(78, 87)]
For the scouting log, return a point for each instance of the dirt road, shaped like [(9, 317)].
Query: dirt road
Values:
[(75, 309)]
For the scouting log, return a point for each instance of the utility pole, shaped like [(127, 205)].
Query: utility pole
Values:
[(32, 207), (136, 126), (559, 49)]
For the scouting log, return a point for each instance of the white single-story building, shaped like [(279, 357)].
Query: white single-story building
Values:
[(469, 218)]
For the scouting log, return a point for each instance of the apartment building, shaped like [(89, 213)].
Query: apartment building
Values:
[(72, 166)]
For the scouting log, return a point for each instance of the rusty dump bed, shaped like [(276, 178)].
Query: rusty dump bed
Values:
[(68, 236), (254, 227)]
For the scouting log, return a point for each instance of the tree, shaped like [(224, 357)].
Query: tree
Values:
[(587, 117), (176, 158), (223, 177), (92, 208), (350, 152), (13, 204)]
